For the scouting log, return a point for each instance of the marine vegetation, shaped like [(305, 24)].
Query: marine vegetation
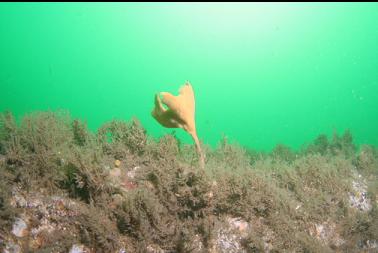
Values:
[(180, 113), (64, 188)]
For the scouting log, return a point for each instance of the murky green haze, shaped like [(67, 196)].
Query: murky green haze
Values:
[(262, 73)]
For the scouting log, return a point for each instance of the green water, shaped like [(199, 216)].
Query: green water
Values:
[(262, 73)]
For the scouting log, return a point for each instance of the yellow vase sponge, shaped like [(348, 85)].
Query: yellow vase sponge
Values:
[(179, 114)]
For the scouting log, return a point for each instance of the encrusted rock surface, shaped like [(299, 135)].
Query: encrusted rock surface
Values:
[(358, 197)]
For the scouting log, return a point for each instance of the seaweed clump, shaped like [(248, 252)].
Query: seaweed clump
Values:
[(120, 189), (338, 145)]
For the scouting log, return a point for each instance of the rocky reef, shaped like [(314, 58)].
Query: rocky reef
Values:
[(66, 189)]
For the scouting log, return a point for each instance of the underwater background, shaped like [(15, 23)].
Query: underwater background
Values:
[(262, 73), (286, 113)]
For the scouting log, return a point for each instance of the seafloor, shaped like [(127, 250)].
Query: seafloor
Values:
[(66, 189)]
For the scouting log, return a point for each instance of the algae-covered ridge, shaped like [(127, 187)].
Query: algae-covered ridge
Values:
[(64, 188)]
